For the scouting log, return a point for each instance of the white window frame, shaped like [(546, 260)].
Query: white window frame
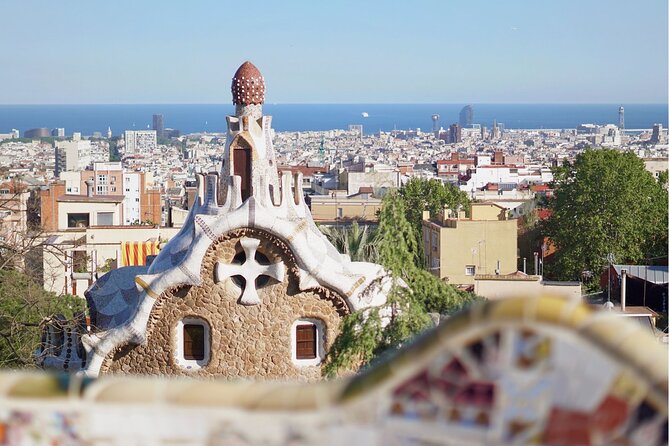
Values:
[(192, 364), (473, 269), (320, 342)]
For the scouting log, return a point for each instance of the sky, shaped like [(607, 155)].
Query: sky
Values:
[(331, 51)]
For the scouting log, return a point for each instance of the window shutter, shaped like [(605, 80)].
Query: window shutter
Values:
[(193, 342), (305, 341)]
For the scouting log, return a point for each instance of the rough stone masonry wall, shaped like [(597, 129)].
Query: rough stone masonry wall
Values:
[(246, 341)]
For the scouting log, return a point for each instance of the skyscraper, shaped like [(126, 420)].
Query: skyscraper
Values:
[(435, 125), (495, 130), (466, 116), (158, 125), (621, 118), (658, 135), (37, 133), (454, 134)]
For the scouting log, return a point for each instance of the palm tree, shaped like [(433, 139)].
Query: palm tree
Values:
[(359, 242)]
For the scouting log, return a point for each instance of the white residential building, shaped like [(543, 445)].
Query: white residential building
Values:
[(132, 184), (72, 155), (140, 141)]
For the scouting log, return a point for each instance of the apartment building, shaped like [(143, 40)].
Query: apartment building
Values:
[(457, 248)]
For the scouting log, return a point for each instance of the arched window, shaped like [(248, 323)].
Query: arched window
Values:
[(241, 153)]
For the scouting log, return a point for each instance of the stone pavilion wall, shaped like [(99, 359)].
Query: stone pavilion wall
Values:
[(246, 341)]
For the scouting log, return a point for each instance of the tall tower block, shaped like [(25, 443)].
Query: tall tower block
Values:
[(621, 118), (466, 116), (435, 125)]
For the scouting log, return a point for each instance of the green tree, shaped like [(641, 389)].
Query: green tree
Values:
[(23, 301), (605, 202), (398, 245), (363, 336), (420, 194), (663, 178), (23, 305), (114, 154), (398, 249)]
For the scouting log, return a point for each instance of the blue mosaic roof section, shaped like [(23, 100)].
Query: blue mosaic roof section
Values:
[(113, 299)]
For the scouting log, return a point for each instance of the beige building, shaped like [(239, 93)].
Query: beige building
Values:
[(361, 206), (458, 248), (656, 165)]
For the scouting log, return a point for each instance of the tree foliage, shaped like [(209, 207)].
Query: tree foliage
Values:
[(23, 305), (23, 301), (367, 333), (605, 202), (420, 194), (363, 335), (398, 248)]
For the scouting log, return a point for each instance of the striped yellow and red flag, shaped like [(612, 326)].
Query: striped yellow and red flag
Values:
[(134, 253)]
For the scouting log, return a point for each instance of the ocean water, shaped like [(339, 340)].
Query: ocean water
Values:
[(190, 118)]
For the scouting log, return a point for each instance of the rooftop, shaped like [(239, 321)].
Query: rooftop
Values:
[(654, 273), (69, 198)]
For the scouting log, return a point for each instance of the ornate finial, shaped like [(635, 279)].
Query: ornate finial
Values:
[(248, 85)]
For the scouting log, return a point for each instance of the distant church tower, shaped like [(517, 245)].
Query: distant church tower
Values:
[(621, 118), (249, 287)]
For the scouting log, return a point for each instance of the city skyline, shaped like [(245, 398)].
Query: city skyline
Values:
[(338, 52)]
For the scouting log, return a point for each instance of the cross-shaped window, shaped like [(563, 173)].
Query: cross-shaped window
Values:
[(250, 270)]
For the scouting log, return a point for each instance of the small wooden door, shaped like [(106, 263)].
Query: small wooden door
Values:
[(242, 167)]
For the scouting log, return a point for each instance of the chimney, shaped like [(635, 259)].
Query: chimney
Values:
[(89, 187), (623, 289)]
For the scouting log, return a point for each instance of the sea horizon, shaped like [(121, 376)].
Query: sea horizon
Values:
[(210, 117)]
